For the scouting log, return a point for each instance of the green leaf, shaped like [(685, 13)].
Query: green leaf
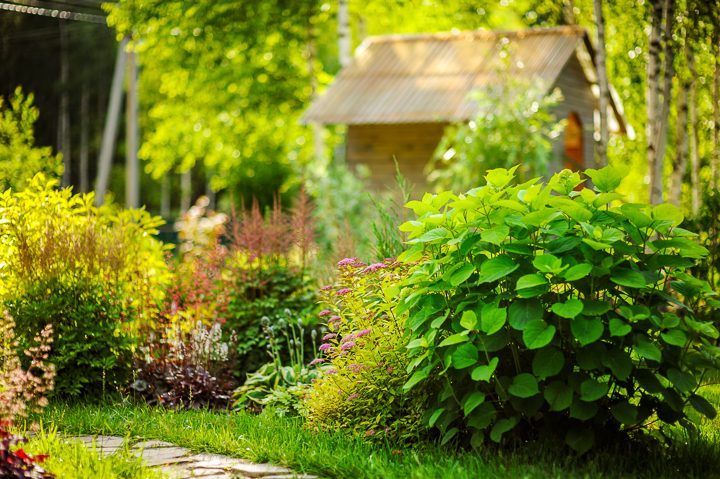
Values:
[(501, 427), (668, 212), (683, 381), (569, 309), (538, 334), (619, 362), (524, 385), (628, 278), (592, 390), (702, 406), (547, 362), (648, 381), (618, 327), (417, 376), (469, 320), (472, 401), (573, 209), (547, 263), (540, 217), (595, 308), (432, 235), (596, 245), (587, 331), (606, 179), (634, 213), (558, 395), (625, 413), (464, 356), (581, 440), (447, 437), (454, 339), (461, 274), (495, 235), (583, 410), (500, 177), (646, 349), (496, 268), (482, 416), (531, 285), (675, 337), (492, 318), (484, 372), (435, 416), (523, 311), (579, 271)]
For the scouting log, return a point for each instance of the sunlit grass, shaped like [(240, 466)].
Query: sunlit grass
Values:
[(284, 441)]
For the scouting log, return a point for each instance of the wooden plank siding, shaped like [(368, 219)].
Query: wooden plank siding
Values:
[(375, 146), (578, 98)]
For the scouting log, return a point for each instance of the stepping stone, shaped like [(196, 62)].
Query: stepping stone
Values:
[(185, 471), (164, 456), (261, 470), (105, 445), (216, 460), (152, 444)]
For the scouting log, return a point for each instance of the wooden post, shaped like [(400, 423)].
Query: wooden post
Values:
[(111, 124)]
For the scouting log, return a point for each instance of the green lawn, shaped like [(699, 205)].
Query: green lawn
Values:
[(284, 441)]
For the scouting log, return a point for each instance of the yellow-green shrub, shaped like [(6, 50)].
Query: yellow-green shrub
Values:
[(96, 274)]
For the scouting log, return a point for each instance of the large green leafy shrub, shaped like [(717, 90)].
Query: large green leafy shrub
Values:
[(542, 308), (96, 274), (365, 359)]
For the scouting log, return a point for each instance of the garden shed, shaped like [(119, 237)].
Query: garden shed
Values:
[(401, 91)]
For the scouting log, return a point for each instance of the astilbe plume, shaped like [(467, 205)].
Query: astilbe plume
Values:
[(22, 391)]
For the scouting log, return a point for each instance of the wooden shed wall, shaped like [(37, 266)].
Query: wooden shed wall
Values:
[(578, 98), (375, 146)]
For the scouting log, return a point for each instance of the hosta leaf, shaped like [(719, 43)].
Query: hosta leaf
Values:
[(537, 334), (531, 285), (469, 320), (558, 395), (484, 372), (496, 268), (547, 362), (492, 318), (628, 278), (472, 401), (579, 271), (646, 349), (522, 311), (587, 331), (592, 390), (524, 385), (464, 356), (618, 327), (581, 440), (501, 427), (569, 309)]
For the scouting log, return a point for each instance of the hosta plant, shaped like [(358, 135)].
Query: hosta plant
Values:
[(546, 309)]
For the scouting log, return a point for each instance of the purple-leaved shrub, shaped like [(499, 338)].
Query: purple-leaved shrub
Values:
[(364, 357)]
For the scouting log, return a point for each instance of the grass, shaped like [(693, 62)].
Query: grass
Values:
[(284, 441), (72, 460)]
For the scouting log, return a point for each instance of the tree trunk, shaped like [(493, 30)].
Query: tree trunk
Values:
[(602, 83), (165, 196), (568, 12), (84, 126), (344, 36), (185, 191), (681, 137), (64, 117), (715, 164), (652, 98), (132, 168), (316, 128), (693, 134), (669, 72)]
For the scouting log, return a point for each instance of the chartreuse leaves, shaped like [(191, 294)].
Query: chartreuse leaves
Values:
[(568, 307)]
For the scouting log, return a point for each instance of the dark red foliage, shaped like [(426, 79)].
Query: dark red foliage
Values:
[(16, 463)]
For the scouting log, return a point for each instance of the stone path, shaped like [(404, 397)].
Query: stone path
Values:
[(180, 463)]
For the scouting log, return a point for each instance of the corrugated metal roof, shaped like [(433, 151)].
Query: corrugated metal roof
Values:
[(427, 77)]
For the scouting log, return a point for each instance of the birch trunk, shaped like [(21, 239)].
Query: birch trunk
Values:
[(652, 97), (64, 117), (344, 38), (602, 83), (681, 138), (715, 163), (693, 140), (84, 133)]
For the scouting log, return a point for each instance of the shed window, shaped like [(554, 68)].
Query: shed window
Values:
[(574, 158)]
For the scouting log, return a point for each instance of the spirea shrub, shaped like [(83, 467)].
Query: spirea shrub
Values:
[(364, 357), (542, 308), (96, 274)]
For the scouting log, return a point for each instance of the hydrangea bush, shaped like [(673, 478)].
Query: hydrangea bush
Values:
[(543, 308), (364, 357)]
